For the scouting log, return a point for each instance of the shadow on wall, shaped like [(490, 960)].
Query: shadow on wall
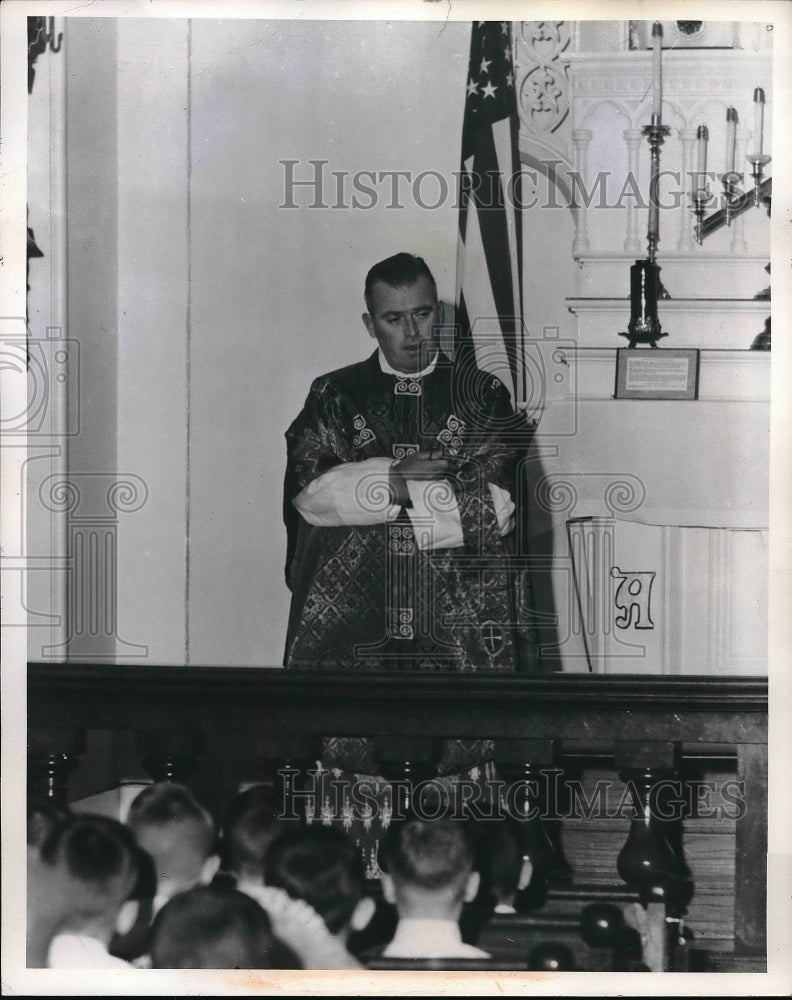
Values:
[(534, 541), (537, 545)]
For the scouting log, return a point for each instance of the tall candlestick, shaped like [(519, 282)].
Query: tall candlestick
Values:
[(653, 229), (657, 70), (702, 137), (759, 103), (655, 133), (731, 139)]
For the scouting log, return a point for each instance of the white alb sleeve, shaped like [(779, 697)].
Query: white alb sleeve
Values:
[(504, 508), (351, 493), (359, 493), (435, 514)]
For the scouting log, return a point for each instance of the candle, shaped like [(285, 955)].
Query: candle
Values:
[(657, 70), (731, 139), (759, 103), (702, 136)]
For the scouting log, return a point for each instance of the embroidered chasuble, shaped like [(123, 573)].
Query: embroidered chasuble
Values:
[(424, 588), (387, 594)]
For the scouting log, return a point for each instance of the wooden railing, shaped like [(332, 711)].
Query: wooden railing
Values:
[(238, 720)]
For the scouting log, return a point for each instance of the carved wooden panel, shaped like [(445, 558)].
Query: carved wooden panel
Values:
[(543, 83)]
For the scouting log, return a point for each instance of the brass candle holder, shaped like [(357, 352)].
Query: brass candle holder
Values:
[(645, 286), (700, 201), (731, 181), (758, 163), (655, 133), (735, 200)]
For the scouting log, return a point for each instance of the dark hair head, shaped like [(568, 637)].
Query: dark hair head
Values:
[(42, 815), (320, 865), (249, 825), (502, 859), (211, 928), (168, 802), (401, 269), (427, 854), (94, 849)]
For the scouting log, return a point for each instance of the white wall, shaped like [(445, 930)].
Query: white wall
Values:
[(230, 305), (153, 331)]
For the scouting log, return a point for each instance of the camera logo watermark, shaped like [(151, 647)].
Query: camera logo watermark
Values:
[(52, 367)]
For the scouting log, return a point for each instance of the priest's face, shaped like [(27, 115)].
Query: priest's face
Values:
[(405, 323)]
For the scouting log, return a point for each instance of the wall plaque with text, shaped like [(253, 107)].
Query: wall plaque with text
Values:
[(665, 373)]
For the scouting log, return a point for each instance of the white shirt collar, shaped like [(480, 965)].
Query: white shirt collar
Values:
[(389, 370), (160, 899), (425, 936), (81, 951)]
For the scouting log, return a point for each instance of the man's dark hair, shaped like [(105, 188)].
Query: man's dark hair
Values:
[(249, 825), (401, 269), (93, 848), (320, 865), (503, 857), (211, 928), (428, 854), (247, 833), (169, 802)]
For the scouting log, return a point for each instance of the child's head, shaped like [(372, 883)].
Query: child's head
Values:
[(178, 834), (505, 868), (210, 928), (90, 865), (42, 816), (249, 827), (428, 868), (321, 865)]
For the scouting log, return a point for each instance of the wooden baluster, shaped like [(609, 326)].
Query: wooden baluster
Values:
[(407, 762), (551, 957), (169, 755), (646, 854), (52, 755), (602, 925), (525, 764), (285, 759), (661, 899)]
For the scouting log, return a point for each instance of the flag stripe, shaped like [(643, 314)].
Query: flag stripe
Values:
[(495, 236), (488, 284), (504, 135), (491, 349), (489, 278)]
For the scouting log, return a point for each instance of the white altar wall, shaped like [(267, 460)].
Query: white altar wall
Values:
[(696, 471)]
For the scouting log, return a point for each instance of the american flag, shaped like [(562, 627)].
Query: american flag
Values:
[(489, 256)]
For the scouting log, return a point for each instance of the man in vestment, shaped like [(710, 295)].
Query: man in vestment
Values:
[(400, 507), (400, 500)]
